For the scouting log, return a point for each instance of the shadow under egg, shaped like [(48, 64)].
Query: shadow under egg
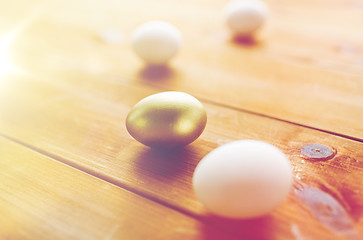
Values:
[(156, 73), (164, 163), (255, 228), (245, 40)]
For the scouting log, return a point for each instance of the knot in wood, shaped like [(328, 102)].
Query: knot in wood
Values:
[(317, 152)]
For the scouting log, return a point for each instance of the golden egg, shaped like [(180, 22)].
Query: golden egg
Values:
[(167, 119)]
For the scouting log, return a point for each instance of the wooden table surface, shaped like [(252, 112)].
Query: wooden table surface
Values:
[(68, 78)]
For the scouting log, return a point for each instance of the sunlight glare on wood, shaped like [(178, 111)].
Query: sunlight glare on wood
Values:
[(5, 64)]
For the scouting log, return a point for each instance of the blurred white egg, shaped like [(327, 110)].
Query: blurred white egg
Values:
[(244, 17), (156, 42), (243, 179)]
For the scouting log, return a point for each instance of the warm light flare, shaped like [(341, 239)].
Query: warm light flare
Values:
[(5, 64)]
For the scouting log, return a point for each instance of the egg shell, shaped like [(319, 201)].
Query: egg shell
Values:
[(167, 119), (156, 42), (243, 179), (244, 17)]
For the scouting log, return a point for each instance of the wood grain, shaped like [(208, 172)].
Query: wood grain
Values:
[(88, 132), (72, 88), (305, 70), (44, 199)]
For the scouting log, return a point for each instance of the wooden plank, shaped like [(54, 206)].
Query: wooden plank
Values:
[(88, 131), (13, 13), (78, 114), (303, 69), (44, 199)]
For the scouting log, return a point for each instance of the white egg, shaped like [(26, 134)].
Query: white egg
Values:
[(156, 42), (243, 179), (244, 17)]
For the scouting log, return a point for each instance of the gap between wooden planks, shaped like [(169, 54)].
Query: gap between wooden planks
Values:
[(88, 132), (83, 66), (44, 199), (262, 78)]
